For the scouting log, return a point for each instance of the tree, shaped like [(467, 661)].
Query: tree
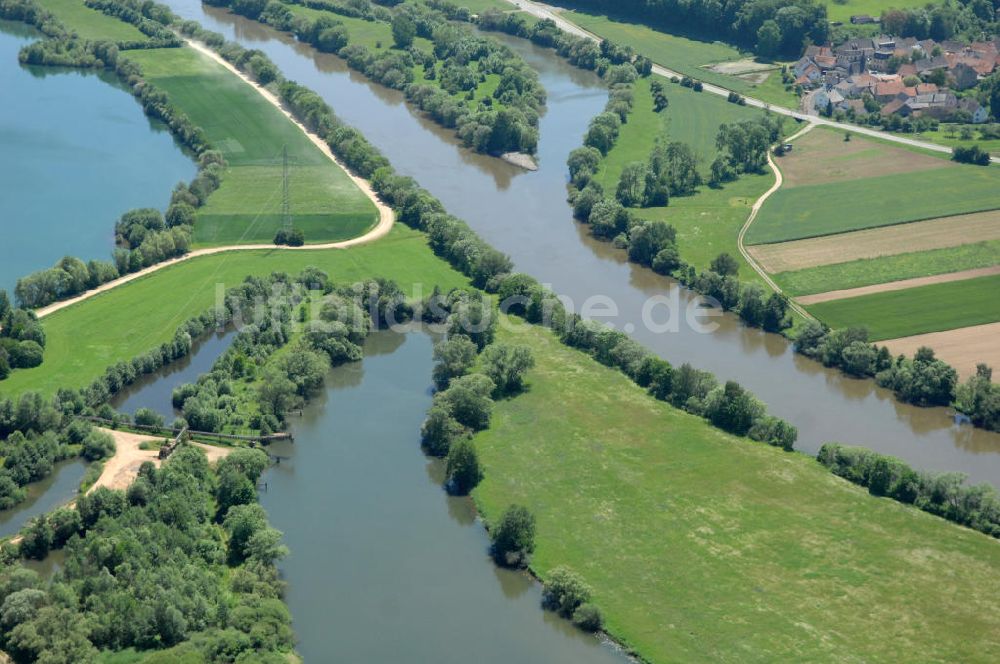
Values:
[(440, 431), (37, 540), (98, 445), (404, 30), (725, 265), (768, 38), (506, 365), (632, 185), (588, 618), (468, 400), (463, 471), (148, 417), (513, 537), (732, 408), (454, 357)]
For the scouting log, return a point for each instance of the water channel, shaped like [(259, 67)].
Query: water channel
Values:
[(74, 154), (525, 215)]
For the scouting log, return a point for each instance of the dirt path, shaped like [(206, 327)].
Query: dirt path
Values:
[(778, 179), (962, 348), (898, 285), (544, 11), (386, 215), (121, 469)]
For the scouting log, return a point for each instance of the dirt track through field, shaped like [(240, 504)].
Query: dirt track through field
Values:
[(898, 285), (962, 348), (875, 242)]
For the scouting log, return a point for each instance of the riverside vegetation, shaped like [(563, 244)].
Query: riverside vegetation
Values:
[(465, 82), (451, 239)]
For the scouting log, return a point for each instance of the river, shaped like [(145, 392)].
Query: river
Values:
[(77, 152), (526, 215)]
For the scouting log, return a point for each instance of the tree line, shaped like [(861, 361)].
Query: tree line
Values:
[(944, 494), (453, 70), (767, 27), (922, 380)]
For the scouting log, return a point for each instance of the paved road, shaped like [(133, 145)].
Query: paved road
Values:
[(545, 11)]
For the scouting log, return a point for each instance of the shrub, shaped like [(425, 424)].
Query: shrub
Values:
[(506, 365), (588, 618), (564, 591)]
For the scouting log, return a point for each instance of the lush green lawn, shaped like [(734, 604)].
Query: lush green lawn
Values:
[(703, 547), (836, 207), (90, 23), (129, 320), (682, 54), (920, 310), (707, 223), (865, 272), (253, 134)]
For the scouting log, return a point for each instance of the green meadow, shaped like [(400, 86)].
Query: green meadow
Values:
[(866, 272), (850, 205), (253, 135), (703, 547), (843, 10), (91, 24), (86, 338), (933, 308), (685, 55)]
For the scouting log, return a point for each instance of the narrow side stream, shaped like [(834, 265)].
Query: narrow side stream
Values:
[(385, 567)]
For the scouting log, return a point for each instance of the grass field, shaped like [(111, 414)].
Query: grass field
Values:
[(837, 207), (117, 325), (252, 135), (703, 547), (933, 308), (842, 10), (376, 35), (865, 272), (91, 24), (943, 136), (707, 223), (682, 54)]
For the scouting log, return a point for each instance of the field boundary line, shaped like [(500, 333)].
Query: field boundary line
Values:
[(902, 284), (758, 204), (387, 217)]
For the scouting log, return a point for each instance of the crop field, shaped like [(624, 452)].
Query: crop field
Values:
[(904, 313), (703, 547), (963, 348), (252, 135), (91, 24), (918, 236), (690, 57), (823, 156), (865, 272), (838, 207), (87, 337)]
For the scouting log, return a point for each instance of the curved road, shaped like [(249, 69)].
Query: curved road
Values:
[(545, 11), (386, 215)]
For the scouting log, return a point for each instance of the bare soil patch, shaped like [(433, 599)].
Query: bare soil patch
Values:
[(824, 156), (898, 285), (738, 67), (873, 243), (962, 348), (121, 469)]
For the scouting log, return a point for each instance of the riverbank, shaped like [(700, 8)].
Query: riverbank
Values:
[(702, 546)]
